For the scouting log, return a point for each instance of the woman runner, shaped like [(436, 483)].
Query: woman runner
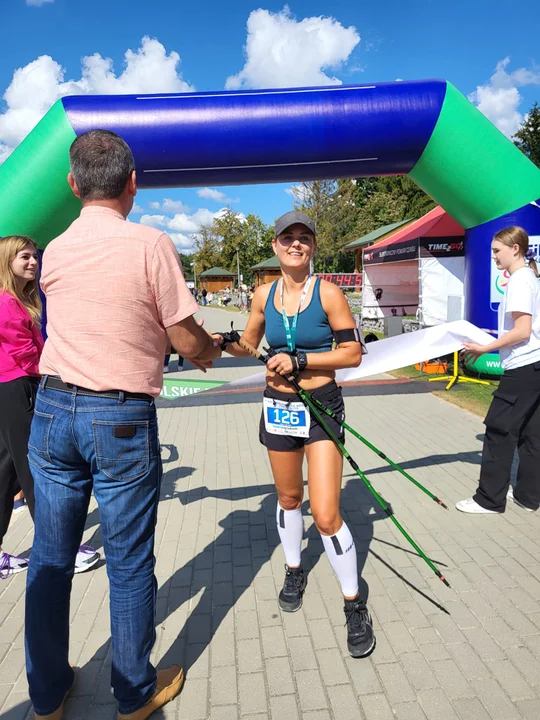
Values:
[(300, 317)]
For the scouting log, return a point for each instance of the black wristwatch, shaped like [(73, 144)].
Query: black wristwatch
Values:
[(302, 360)]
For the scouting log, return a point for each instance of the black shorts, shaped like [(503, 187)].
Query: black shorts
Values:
[(329, 395)]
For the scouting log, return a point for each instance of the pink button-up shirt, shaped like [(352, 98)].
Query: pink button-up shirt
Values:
[(21, 341), (112, 287)]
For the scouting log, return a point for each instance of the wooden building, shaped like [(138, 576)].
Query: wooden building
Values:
[(216, 279), (266, 271)]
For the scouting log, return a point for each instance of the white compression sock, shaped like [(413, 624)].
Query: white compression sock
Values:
[(341, 552), (291, 531)]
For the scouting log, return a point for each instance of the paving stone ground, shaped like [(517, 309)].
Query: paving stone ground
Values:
[(467, 653)]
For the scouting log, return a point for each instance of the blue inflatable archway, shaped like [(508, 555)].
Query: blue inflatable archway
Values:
[(425, 129)]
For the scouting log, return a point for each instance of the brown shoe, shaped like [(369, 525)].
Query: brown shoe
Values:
[(169, 684), (58, 714)]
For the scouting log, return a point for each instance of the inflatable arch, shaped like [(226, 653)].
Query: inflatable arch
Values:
[(425, 129)]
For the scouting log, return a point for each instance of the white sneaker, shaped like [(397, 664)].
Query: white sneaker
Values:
[(86, 558), (510, 496), (471, 506)]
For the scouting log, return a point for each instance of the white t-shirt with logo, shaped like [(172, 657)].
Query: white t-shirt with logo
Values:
[(522, 294)]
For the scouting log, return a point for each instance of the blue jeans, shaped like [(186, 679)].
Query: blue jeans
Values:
[(79, 443)]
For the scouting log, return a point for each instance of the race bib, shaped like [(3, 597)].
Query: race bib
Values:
[(286, 418)]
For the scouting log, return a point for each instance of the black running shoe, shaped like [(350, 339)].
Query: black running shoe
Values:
[(360, 636), (290, 598)]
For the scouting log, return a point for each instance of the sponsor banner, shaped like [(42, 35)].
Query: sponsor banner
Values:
[(343, 280), (499, 278), (174, 388), (442, 246), (489, 364), (410, 249), (407, 250)]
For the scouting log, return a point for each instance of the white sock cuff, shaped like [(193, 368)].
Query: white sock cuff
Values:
[(341, 552), (290, 525)]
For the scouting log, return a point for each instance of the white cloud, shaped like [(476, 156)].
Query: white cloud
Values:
[(137, 209), (36, 86), (38, 3), (170, 206), (299, 193), (184, 228), (500, 99), (282, 52), (182, 222), (216, 195), (183, 242)]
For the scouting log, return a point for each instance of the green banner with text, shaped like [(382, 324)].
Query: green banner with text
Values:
[(174, 388)]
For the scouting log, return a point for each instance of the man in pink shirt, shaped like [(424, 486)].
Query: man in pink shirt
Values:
[(115, 293)]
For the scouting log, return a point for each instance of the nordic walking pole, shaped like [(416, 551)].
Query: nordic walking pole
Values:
[(306, 398), (378, 452)]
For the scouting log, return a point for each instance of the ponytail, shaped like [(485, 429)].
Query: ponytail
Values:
[(534, 267)]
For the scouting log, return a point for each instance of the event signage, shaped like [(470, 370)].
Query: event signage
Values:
[(409, 249), (174, 388), (442, 246), (499, 278)]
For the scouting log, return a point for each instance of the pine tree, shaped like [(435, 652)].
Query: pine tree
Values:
[(527, 138)]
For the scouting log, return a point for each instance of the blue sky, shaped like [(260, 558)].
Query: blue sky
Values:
[(488, 49)]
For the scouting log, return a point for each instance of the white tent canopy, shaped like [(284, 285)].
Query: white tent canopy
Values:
[(415, 270)]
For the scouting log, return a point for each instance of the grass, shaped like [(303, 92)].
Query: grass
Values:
[(469, 396)]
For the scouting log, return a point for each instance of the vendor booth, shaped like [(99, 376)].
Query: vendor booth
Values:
[(415, 270)]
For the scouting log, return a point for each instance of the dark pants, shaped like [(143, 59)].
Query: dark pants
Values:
[(16, 410), (513, 420), (78, 444)]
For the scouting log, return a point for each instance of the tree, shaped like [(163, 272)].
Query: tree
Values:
[(186, 261), (330, 203), (234, 240), (527, 138), (207, 249)]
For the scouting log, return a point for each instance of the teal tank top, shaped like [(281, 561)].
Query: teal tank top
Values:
[(313, 331)]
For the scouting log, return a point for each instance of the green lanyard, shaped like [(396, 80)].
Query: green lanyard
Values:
[(290, 332)]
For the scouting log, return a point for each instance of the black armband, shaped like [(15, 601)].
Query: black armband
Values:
[(348, 335)]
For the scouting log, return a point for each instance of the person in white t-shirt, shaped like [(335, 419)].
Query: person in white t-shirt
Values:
[(513, 419)]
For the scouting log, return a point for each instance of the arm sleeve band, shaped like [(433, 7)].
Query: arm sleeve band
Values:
[(348, 335)]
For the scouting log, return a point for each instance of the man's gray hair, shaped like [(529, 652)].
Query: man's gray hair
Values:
[(101, 164)]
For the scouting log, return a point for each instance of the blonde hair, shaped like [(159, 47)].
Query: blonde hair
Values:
[(29, 296), (515, 235)]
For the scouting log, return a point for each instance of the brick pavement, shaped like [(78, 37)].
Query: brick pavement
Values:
[(469, 653)]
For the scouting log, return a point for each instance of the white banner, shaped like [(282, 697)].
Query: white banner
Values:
[(397, 352)]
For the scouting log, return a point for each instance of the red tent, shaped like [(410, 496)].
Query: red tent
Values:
[(413, 271)]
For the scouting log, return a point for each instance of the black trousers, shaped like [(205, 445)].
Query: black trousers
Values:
[(513, 420), (16, 410)]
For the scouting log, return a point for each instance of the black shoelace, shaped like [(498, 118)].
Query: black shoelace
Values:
[(293, 582), (356, 617)]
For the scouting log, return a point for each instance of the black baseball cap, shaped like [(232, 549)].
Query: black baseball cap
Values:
[(293, 217)]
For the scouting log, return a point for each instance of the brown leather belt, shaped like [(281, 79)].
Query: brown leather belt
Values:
[(55, 383)]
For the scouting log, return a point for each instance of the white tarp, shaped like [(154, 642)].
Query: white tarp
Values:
[(440, 277), (390, 289), (399, 351)]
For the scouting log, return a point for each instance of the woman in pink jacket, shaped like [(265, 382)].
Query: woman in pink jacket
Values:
[(21, 344)]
